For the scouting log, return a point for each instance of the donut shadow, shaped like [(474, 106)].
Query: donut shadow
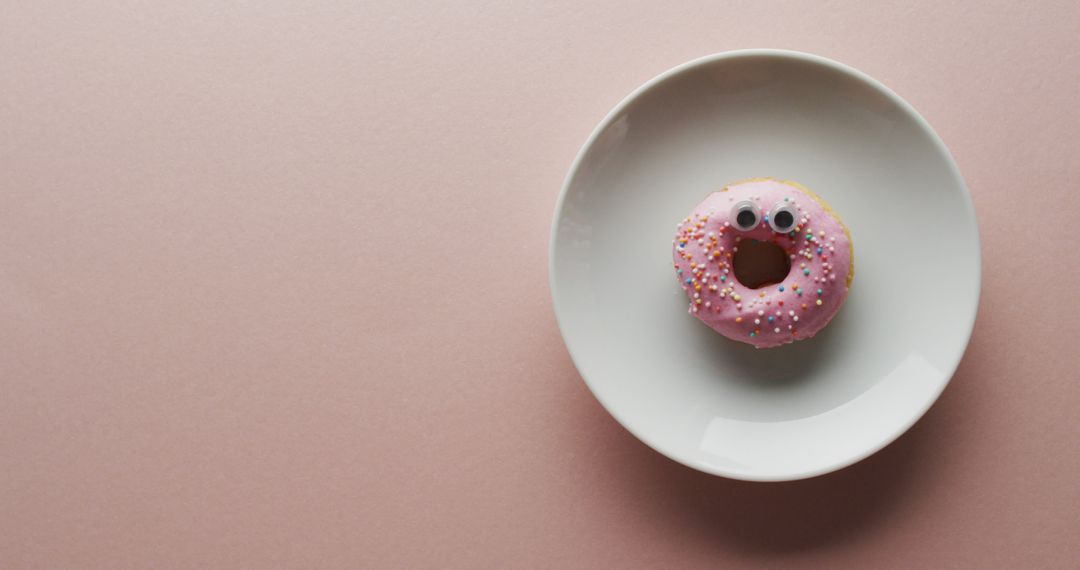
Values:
[(771, 522), (783, 366)]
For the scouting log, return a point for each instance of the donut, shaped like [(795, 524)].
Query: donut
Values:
[(812, 262)]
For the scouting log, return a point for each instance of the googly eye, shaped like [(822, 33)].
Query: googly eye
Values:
[(745, 215), (782, 218)]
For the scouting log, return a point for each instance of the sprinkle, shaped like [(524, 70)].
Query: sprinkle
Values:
[(819, 251), (804, 306), (819, 302), (689, 281), (821, 233), (802, 265), (777, 329), (707, 304), (771, 318), (806, 272), (757, 321), (819, 291), (722, 278), (751, 333), (738, 320), (737, 298), (795, 318), (760, 313)]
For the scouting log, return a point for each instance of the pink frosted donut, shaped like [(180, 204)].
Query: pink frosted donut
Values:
[(815, 241)]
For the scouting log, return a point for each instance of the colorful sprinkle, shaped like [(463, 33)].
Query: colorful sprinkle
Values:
[(806, 272), (819, 302)]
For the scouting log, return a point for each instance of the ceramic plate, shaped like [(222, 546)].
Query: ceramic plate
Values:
[(724, 407)]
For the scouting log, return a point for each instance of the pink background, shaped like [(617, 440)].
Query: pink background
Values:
[(273, 291)]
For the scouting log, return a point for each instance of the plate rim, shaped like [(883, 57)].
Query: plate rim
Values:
[(805, 57)]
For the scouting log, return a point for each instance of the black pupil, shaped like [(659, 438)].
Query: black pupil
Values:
[(746, 218), (784, 219)]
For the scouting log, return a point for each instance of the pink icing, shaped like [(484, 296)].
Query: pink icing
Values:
[(704, 247)]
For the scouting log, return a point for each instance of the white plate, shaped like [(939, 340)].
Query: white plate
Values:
[(720, 406)]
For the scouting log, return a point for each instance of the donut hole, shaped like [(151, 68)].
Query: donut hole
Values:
[(760, 263)]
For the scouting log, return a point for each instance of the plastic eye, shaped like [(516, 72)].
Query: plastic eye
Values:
[(745, 215), (782, 218)]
